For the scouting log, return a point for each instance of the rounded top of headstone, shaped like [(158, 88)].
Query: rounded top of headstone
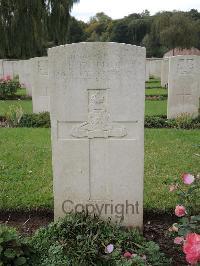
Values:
[(96, 45), (184, 57)]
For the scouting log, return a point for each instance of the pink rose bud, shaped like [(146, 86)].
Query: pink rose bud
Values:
[(180, 211), (188, 179), (173, 228), (178, 240), (127, 255), (173, 187)]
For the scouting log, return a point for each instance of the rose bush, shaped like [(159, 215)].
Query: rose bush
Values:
[(187, 189), (8, 87)]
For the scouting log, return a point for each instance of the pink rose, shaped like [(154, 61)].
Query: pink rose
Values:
[(188, 179), (127, 255), (180, 211), (178, 240), (191, 248)]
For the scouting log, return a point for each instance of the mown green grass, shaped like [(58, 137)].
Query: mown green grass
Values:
[(155, 107), (26, 172), (25, 104), (25, 168), (168, 153), (159, 91)]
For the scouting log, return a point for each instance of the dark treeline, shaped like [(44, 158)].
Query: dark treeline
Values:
[(28, 28), (159, 33)]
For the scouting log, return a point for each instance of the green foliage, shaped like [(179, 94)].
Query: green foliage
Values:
[(13, 249), (8, 87), (33, 26), (158, 33), (14, 115), (155, 122), (77, 31), (38, 25), (186, 121), (174, 35), (183, 122), (80, 239), (35, 120), (99, 28)]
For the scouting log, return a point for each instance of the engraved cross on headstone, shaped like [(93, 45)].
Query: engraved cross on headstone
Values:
[(98, 127)]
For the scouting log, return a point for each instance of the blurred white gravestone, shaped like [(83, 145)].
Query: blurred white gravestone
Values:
[(164, 72), (184, 86), (155, 67), (8, 68), (24, 69), (39, 84), (97, 118), (1, 68), (147, 70)]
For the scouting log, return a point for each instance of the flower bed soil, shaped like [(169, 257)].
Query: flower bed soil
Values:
[(155, 229)]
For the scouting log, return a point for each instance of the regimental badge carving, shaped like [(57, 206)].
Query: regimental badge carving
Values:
[(185, 66), (99, 124)]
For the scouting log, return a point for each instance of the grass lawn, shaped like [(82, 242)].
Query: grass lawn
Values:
[(25, 104), (21, 92), (26, 174), (159, 91), (156, 107)]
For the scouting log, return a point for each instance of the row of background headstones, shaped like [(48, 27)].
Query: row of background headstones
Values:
[(181, 76), (33, 74)]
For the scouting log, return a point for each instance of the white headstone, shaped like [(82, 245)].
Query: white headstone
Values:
[(8, 68), (1, 68), (164, 72), (16, 68), (184, 86), (97, 118), (25, 75), (147, 70), (155, 67), (39, 81)]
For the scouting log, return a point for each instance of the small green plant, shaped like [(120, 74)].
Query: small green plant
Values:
[(13, 249), (35, 120), (80, 239), (14, 115), (8, 87), (184, 121)]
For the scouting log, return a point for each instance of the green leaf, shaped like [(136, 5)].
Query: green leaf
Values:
[(195, 218), (10, 253), (20, 261), (1, 249)]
